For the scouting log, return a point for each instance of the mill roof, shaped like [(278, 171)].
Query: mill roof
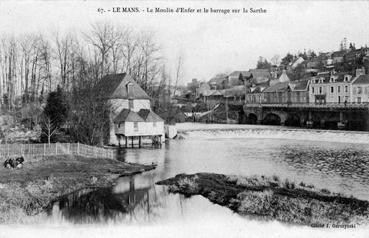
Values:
[(149, 116), (127, 115), (120, 86)]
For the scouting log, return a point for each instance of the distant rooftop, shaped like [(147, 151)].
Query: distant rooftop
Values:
[(362, 79)]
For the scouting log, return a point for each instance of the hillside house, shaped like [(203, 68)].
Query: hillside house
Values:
[(260, 76), (218, 82), (338, 56), (130, 116), (237, 78), (330, 88), (360, 87), (286, 91)]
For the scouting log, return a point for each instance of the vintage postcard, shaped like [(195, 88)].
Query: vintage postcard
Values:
[(184, 118)]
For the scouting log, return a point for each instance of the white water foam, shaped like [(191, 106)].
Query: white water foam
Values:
[(194, 130)]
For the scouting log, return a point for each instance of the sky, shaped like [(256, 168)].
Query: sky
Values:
[(209, 43)]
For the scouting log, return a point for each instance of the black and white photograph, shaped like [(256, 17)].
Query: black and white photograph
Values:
[(197, 118)]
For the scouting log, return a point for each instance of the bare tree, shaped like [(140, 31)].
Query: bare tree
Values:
[(275, 60), (48, 127), (179, 73), (65, 51), (104, 37), (130, 46), (148, 60)]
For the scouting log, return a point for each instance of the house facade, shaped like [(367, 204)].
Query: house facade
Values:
[(237, 78), (330, 88), (130, 110), (360, 89)]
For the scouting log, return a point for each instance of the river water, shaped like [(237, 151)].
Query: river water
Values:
[(336, 165)]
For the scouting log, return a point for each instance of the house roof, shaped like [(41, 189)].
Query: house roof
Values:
[(298, 61), (338, 54), (362, 79), (127, 115), (149, 116), (353, 53), (234, 91), (278, 87), (215, 93), (284, 77), (301, 85), (120, 86), (339, 77), (217, 80), (237, 74), (256, 89), (260, 75)]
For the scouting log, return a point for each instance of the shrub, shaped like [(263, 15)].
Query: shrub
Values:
[(276, 178)]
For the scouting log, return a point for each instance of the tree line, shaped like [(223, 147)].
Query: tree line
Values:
[(32, 65), (62, 70)]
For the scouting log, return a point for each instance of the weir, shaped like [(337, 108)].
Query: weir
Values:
[(278, 132)]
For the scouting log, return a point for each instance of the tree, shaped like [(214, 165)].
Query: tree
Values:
[(89, 119), (298, 72), (48, 127), (352, 46), (104, 37), (275, 60), (263, 64), (55, 113), (287, 59)]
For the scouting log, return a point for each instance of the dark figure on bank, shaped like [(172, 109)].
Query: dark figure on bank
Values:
[(14, 163)]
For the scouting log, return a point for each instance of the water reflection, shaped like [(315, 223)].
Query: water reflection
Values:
[(101, 204), (340, 167)]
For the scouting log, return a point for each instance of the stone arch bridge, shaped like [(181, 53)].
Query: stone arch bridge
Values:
[(330, 116)]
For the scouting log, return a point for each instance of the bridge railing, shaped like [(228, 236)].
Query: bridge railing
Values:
[(312, 105)]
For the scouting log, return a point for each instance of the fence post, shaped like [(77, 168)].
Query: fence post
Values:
[(77, 148), (44, 149), (56, 148), (21, 148)]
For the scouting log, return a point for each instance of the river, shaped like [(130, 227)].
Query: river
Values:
[(336, 165)]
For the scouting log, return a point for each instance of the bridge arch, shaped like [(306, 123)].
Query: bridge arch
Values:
[(272, 119), (252, 118), (293, 119)]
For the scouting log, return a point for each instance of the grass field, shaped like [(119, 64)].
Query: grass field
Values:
[(269, 198), (26, 192)]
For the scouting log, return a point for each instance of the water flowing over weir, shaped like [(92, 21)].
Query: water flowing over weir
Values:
[(271, 132), (335, 160)]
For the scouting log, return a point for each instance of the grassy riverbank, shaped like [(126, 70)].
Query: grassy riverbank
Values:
[(24, 193), (272, 199)]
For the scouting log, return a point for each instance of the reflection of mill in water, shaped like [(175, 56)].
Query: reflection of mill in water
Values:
[(105, 204)]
